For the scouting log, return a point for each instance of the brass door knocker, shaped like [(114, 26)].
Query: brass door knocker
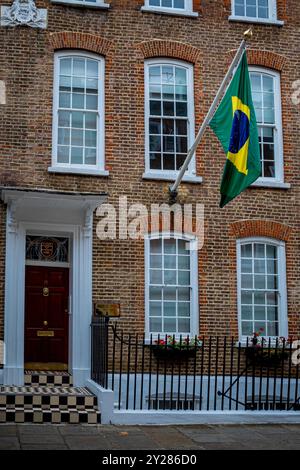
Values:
[(45, 292)]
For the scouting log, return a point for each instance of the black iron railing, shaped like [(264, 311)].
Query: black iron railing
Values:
[(99, 350), (200, 374)]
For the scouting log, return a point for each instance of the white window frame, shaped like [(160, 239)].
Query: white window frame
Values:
[(272, 19), (282, 287), (190, 173), (187, 11), (84, 3), (194, 313), (99, 168), (278, 132)]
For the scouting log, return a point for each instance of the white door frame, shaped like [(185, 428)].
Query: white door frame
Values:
[(80, 287)]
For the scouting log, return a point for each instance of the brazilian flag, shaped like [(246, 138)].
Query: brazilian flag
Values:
[(234, 123)]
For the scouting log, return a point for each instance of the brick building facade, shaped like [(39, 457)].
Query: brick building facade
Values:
[(125, 37)]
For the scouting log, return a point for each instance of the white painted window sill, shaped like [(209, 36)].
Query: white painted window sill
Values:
[(78, 171), (169, 177), (245, 19), (79, 3), (270, 184), (167, 11)]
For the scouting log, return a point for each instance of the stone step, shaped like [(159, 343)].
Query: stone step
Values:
[(47, 378), (55, 415), (47, 398)]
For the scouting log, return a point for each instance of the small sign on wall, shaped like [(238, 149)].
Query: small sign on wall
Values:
[(106, 310)]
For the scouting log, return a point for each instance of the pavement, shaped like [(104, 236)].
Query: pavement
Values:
[(187, 437)]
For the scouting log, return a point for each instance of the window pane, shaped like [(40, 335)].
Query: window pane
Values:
[(77, 155), (63, 136), (170, 261), (169, 293), (183, 293), (170, 277), (155, 276), (247, 328), (156, 245), (155, 261), (170, 246), (170, 309), (155, 325), (272, 313), (259, 282), (246, 251), (168, 96), (155, 108), (183, 262), (155, 293), (77, 137), (62, 154), (92, 68), (64, 118), (90, 156), (259, 250), (79, 67), (184, 278), (154, 126), (259, 307), (247, 281), (79, 75), (247, 313), (184, 325), (183, 309), (170, 325), (65, 66), (259, 266), (155, 309), (176, 300), (246, 265), (90, 121), (271, 251), (246, 297), (259, 313), (77, 119)]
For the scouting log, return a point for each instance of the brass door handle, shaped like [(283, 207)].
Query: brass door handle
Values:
[(45, 323)]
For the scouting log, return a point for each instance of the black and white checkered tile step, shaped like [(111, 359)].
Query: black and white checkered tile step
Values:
[(55, 416), (47, 378), (47, 397), (44, 399)]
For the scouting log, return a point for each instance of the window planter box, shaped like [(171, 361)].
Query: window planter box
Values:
[(171, 353), (265, 357)]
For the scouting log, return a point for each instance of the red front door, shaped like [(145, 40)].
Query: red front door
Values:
[(46, 314)]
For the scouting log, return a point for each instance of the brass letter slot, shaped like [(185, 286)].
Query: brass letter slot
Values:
[(45, 333)]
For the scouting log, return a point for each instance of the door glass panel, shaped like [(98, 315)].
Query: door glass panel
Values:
[(55, 249)]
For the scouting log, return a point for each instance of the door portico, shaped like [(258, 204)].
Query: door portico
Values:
[(49, 213)]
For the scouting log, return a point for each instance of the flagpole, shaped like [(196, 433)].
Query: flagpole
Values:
[(235, 63)]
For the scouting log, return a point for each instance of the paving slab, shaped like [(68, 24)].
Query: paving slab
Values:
[(9, 443), (186, 437)]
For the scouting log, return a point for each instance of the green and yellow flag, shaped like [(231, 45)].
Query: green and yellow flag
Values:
[(234, 123)]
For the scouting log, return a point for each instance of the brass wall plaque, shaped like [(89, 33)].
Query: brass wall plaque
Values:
[(107, 310), (45, 333)]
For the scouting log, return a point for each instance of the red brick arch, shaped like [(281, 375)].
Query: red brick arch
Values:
[(260, 228), (266, 59), (174, 49), (74, 40)]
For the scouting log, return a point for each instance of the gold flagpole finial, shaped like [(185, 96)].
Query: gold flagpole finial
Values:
[(248, 34)]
